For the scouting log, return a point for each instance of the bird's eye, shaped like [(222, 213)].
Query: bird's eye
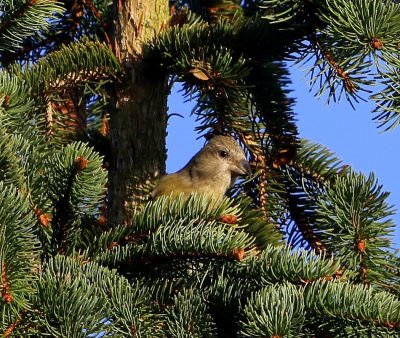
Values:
[(223, 153)]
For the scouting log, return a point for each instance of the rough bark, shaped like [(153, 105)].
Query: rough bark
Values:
[(138, 124)]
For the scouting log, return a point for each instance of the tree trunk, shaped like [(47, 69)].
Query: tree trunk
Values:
[(138, 123)]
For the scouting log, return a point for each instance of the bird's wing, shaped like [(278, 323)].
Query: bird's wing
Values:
[(173, 184)]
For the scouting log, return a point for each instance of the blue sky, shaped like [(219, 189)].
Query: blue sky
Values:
[(350, 134)]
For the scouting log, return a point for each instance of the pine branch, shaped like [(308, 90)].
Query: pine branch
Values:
[(354, 302), (61, 72), (15, 103), (63, 69), (178, 243), (19, 253), (12, 171), (373, 23), (387, 100), (263, 320), (132, 306), (197, 228), (354, 218), (306, 179), (189, 316), (317, 163), (302, 209), (64, 312), (75, 183), (22, 19), (280, 264), (278, 11), (232, 285), (215, 76), (76, 21), (10, 330)]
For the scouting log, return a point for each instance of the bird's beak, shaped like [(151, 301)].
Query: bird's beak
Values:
[(244, 168)]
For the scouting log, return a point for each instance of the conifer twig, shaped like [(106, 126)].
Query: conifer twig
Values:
[(5, 24), (304, 226), (361, 246), (8, 332), (339, 71), (5, 290)]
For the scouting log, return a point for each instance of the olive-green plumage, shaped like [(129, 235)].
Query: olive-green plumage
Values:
[(211, 171)]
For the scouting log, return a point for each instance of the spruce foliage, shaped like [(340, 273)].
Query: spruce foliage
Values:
[(301, 249)]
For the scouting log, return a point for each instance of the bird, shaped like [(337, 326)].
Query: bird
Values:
[(211, 171)]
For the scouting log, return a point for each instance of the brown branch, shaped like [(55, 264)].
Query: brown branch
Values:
[(151, 260), (317, 176), (145, 262), (220, 10), (49, 121), (70, 80), (71, 104), (337, 68), (63, 211), (304, 226), (361, 246), (105, 126), (336, 276), (5, 292), (133, 330), (102, 220), (389, 325), (76, 12), (72, 109), (263, 189), (258, 163), (8, 332), (6, 101), (43, 218)]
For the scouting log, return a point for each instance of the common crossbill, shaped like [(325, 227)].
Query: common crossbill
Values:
[(211, 171)]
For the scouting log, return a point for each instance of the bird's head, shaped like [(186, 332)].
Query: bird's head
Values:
[(211, 171), (222, 154)]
